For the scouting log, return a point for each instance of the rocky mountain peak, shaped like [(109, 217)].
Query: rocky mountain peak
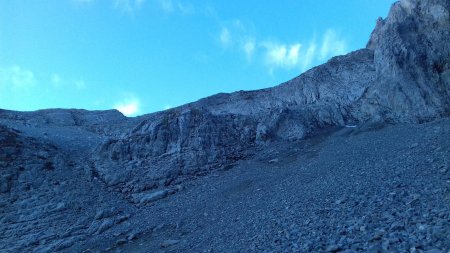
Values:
[(402, 76), (411, 57)]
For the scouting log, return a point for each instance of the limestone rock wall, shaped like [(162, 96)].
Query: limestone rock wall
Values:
[(402, 76), (412, 61)]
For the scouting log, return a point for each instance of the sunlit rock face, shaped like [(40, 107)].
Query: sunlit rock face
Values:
[(215, 131), (411, 57), (402, 76)]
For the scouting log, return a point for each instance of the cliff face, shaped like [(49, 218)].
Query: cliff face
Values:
[(412, 61), (103, 158), (216, 131), (402, 76)]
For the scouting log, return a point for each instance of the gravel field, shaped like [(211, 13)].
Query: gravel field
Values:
[(382, 189)]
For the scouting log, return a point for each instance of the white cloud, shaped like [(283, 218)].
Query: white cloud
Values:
[(225, 37), (282, 55), (167, 107), (238, 25), (185, 8), (128, 6), (83, 1), (55, 80), (128, 107), (332, 45), (16, 78), (238, 36), (80, 84), (297, 55), (170, 6), (210, 12), (308, 57), (138, 3), (249, 48), (166, 5)]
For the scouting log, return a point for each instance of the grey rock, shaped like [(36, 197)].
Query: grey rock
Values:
[(434, 251), (414, 145), (133, 235), (382, 83), (333, 248), (122, 218), (274, 160), (121, 241), (144, 198), (414, 80), (340, 201), (105, 213), (169, 243), (106, 224)]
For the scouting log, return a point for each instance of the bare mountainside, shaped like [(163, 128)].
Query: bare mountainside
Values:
[(272, 170)]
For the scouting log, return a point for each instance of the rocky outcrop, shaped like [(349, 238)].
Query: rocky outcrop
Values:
[(48, 194), (412, 61), (167, 145), (105, 123), (216, 131), (402, 76), (341, 81)]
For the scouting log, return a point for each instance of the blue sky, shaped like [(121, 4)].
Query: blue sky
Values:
[(142, 56)]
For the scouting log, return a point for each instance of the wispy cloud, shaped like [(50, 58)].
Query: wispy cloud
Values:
[(83, 2), (282, 55), (249, 48), (290, 56), (225, 37), (186, 8), (128, 6), (308, 56), (79, 84), (301, 55), (131, 6), (16, 78), (170, 6), (238, 36), (129, 106), (138, 3), (55, 80), (166, 5), (332, 45)]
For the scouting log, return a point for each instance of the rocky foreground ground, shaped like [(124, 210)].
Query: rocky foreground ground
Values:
[(351, 156), (372, 188), (364, 189)]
